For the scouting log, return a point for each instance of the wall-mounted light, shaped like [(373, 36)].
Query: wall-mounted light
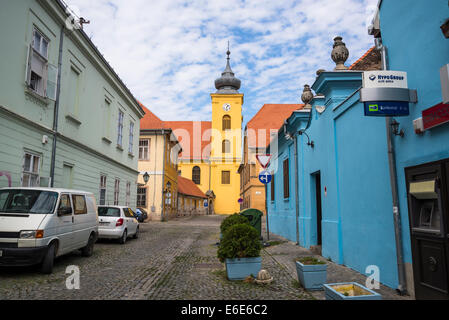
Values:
[(146, 177), (445, 29), (395, 128), (309, 143)]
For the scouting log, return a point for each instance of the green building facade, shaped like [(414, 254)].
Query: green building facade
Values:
[(66, 118)]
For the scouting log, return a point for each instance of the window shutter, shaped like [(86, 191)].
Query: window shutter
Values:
[(45, 78), (52, 81)]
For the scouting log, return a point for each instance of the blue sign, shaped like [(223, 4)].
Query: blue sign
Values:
[(387, 108), (265, 177), (206, 203)]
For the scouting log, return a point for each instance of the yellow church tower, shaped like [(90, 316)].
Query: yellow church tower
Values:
[(226, 141)]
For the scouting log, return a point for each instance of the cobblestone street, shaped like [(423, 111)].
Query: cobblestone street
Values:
[(170, 260)]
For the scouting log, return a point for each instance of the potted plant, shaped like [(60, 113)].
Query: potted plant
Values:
[(230, 221), (349, 291), (240, 250), (312, 272)]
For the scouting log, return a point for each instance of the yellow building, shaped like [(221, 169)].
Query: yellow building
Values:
[(158, 153), (212, 149)]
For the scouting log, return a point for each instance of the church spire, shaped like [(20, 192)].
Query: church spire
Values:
[(227, 83)]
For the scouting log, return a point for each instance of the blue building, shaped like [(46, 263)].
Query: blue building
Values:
[(332, 184)]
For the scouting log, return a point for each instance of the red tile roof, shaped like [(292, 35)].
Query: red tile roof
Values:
[(369, 61), (188, 187), (270, 117), (150, 120), (194, 137)]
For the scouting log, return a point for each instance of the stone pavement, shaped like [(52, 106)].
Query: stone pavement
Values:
[(175, 260), (170, 260), (286, 252)]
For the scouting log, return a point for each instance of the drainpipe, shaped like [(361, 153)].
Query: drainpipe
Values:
[(163, 178), (295, 138), (56, 111), (402, 287)]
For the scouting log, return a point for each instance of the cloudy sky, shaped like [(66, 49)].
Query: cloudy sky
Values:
[(169, 52)]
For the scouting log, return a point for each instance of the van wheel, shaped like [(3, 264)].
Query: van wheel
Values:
[(136, 235), (88, 250), (124, 237), (47, 263)]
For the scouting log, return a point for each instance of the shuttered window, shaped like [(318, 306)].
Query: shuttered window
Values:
[(226, 123), (272, 187), (226, 177), (286, 180)]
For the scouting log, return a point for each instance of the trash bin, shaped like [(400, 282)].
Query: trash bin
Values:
[(255, 219)]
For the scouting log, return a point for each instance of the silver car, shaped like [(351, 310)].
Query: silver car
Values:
[(117, 222)]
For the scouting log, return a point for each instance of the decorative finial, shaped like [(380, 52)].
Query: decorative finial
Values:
[(228, 52), (307, 96), (227, 83), (340, 54)]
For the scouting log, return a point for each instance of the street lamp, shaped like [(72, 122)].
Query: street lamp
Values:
[(146, 177), (395, 128)]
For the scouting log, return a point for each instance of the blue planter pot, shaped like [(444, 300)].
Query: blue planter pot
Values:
[(311, 277), (241, 268), (355, 291)]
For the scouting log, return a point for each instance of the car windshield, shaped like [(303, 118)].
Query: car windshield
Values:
[(27, 201), (108, 212)]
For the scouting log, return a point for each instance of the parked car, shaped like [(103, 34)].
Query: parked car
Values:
[(141, 215), (117, 222), (39, 224)]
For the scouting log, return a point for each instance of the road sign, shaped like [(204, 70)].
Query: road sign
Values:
[(265, 177), (206, 203), (240, 200), (264, 159), (387, 108)]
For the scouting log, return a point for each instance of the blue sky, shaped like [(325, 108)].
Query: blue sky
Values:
[(170, 52)]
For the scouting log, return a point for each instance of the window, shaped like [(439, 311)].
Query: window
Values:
[(102, 190), (226, 122), (116, 191), (144, 149), (79, 204), (272, 186), (226, 146), (142, 197), (65, 205), (226, 177), (120, 128), (131, 137), (196, 175), (41, 76), (31, 167), (286, 180), (128, 192)]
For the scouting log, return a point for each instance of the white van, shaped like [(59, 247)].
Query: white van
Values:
[(39, 224)]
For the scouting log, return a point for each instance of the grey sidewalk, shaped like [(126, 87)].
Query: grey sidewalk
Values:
[(287, 251)]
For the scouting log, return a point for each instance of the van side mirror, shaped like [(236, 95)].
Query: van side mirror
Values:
[(64, 211)]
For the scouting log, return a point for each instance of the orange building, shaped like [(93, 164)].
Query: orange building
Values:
[(259, 131)]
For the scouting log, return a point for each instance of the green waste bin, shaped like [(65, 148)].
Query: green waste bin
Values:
[(255, 219)]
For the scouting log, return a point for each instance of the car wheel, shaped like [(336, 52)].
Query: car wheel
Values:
[(124, 237), (136, 235), (47, 263), (88, 250)]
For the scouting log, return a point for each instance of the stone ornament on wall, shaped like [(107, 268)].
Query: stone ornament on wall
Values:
[(307, 96), (340, 54)]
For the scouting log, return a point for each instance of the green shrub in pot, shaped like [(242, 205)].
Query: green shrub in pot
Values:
[(239, 241)]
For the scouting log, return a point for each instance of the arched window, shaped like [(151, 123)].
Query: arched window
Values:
[(196, 175), (226, 146), (226, 122)]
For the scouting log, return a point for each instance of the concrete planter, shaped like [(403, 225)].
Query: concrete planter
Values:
[(311, 277), (349, 291), (241, 268)]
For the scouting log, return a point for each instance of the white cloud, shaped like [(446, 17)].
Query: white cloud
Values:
[(170, 52)]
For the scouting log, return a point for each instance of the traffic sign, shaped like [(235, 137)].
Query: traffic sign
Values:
[(265, 177), (264, 159)]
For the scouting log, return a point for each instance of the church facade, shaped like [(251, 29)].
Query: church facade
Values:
[(212, 150)]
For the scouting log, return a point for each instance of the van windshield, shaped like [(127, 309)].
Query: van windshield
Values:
[(27, 201), (108, 212)]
